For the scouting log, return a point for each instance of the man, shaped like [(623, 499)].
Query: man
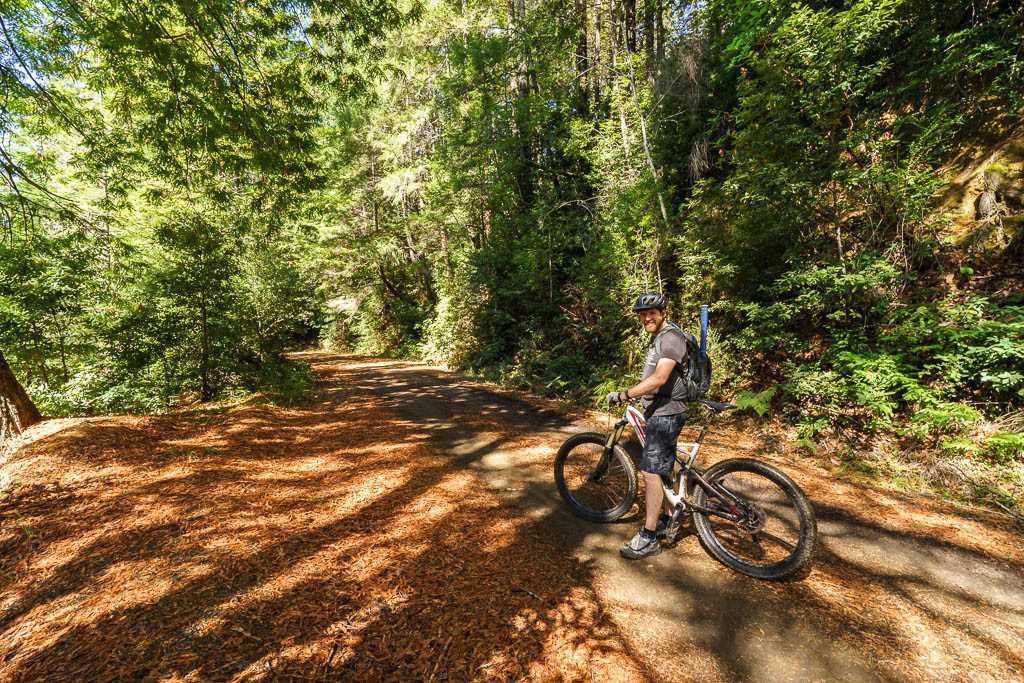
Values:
[(663, 389)]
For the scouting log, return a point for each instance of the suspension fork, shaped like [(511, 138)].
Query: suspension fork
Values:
[(606, 456)]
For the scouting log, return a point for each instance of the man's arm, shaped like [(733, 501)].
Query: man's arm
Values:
[(653, 381)]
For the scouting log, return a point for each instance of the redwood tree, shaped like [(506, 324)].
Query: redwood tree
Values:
[(17, 411)]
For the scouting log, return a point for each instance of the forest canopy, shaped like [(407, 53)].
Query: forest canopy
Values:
[(188, 190)]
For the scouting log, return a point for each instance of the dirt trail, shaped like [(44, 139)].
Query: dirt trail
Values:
[(402, 524), (903, 588), (331, 541)]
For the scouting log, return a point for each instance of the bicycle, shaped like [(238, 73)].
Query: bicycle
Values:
[(748, 515)]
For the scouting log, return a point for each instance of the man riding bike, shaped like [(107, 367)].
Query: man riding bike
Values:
[(663, 389)]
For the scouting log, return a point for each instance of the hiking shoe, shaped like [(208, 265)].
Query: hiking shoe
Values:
[(640, 547), (667, 528)]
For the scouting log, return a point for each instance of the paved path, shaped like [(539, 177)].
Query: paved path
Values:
[(902, 587)]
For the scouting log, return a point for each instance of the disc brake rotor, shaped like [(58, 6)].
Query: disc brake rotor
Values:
[(754, 519)]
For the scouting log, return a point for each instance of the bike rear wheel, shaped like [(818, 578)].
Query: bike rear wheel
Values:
[(602, 498), (777, 532)]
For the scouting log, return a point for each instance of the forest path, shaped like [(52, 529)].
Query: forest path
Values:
[(402, 524), (902, 587)]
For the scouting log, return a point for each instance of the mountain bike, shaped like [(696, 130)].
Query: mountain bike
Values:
[(748, 515)]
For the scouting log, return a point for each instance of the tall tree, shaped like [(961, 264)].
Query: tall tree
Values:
[(17, 411)]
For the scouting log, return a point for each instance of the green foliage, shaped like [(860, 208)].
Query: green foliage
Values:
[(186, 187), (285, 381), (942, 417), (1003, 447), (999, 448), (809, 218), (936, 356), (153, 246), (758, 401), (829, 123)]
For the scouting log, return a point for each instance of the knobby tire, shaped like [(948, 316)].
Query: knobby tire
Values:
[(620, 466), (705, 525)]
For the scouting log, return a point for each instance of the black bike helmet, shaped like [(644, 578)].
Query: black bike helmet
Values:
[(649, 300)]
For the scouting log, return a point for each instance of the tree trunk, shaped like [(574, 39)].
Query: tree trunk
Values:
[(649, 36), (373, 190), (521, 89), (647, 149), (581, 59), (596, 62), (17, 411), (393, 290), (61, 345), (629, 24), (613, 43), (659, 32), (204, 360)]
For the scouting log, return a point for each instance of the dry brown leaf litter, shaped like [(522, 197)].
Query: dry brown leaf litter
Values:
[(331, 542), (328, 541), (896, 622)]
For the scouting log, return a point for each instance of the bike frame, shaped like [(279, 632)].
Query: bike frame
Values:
[(675, 492)]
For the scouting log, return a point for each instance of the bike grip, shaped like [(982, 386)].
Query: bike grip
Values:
[(704, 329)]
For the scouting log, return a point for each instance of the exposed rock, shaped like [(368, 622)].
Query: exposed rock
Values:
[(988, 206), (1000, 195)]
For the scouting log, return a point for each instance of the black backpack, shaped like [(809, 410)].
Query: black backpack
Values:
[(697, 373)]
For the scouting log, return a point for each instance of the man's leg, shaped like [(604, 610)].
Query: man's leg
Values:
[(668, 429), (655, 496), (656, 459), (645, 543)]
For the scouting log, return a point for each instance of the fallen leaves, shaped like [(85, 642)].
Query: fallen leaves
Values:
[(325, 541)]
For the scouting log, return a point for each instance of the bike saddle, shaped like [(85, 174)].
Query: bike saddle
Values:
[(716, 406)]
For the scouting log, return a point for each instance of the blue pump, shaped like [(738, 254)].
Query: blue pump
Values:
[(704, 330)]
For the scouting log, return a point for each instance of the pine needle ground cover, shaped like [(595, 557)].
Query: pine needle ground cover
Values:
[(265, 543), (345, 538), (874, 604)]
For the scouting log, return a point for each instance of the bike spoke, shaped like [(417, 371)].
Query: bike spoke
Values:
[(772, 537), (768, 516), (604, 493)]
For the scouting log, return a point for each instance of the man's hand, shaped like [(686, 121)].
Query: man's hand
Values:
[(614, 398)]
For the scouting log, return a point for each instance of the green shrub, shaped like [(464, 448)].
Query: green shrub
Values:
[(286, 381), (1003, 447), (758, 401), (942, 417)]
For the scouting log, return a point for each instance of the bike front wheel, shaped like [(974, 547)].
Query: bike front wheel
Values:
[(597, 495), (775, 530)]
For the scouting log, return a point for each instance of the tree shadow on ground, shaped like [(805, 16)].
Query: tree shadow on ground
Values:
[(889, 596), (326, 540), (347, 540)]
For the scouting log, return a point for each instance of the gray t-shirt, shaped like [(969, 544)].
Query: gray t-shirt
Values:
[(669, 343)]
